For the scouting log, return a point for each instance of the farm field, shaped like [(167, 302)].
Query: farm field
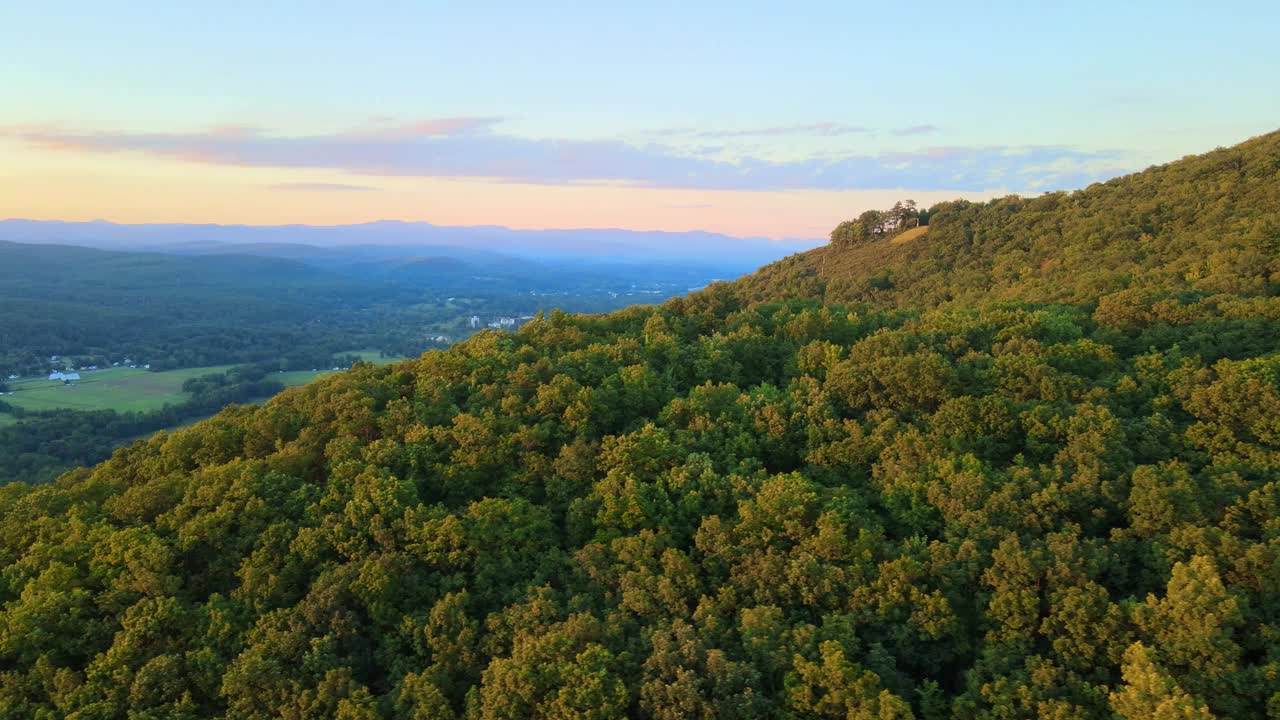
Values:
[(120, 389), (373, 356), (129, 389), (291, 378)]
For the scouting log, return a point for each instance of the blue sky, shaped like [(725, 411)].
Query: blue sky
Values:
[(656, 115)]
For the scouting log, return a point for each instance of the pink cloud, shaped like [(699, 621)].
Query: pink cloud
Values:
[(434, 127), (456, 148)]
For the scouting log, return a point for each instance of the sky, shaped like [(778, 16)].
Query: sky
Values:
[(752, 119)]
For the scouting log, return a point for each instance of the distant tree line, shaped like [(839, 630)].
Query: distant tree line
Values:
[(878, 224)]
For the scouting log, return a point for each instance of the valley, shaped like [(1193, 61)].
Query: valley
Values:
[(134, 327)]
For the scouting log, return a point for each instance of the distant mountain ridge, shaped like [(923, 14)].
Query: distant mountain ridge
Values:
[(598, 244)]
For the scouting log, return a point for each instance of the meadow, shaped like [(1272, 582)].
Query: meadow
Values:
[(129, 389), (122, 389), (292, 378)]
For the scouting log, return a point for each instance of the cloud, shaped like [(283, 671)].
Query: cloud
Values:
[(820, 129), (435, 127), (322, 187), (469, 148), (825, 129), (916, 130)]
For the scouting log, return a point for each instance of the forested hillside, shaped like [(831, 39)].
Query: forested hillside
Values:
[(1025, 464), (1205, 225)]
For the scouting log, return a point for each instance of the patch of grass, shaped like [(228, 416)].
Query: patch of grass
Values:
[(293, 378), (907, 236), (119, 389), (7, 419), (130, 389), (372, 356)]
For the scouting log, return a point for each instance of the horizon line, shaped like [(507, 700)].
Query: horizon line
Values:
[(103, 221)]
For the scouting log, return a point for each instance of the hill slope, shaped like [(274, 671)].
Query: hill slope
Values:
[(758, 501), (1203, 225)]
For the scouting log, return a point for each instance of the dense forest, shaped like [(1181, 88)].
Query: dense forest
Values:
[(1016, 459)]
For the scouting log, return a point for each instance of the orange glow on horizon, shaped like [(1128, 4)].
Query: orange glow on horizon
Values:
[(128, 188)]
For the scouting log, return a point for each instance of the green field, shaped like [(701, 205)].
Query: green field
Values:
[(129, 389), (291, 378), (121, 389), (372, 356)]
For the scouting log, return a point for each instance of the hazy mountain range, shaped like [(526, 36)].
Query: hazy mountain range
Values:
[(393, 238)]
